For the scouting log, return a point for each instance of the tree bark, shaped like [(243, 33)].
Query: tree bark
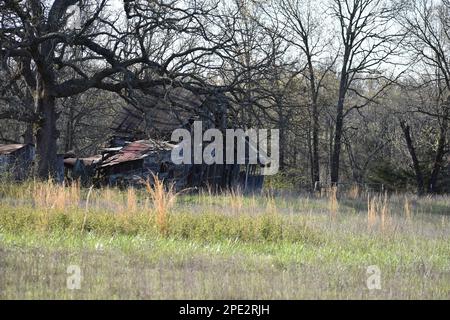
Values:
[(69, 138), (440, 152), (315, 166), (315, 145), (28, 135), (412, 151), (339, 125), (46, 134), (335, 158)]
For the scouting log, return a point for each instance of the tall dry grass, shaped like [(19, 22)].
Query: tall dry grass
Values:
[(333, 201), (236, 201), (107, 194), (51, 195), (271, 206), (253, 203), (163, 198), (407, 208), (131, 201), (354, 192), (378, 209), (206, 196), (86, 210)]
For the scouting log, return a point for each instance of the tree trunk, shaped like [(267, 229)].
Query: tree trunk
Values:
[(339, 125), (46, 135), (440, 152), (282, 149), (315, 126), (69, 138), (335, 158), (356, 171), (315, 145), (412, 151), (282, 131), (28, 136), (310, 158)]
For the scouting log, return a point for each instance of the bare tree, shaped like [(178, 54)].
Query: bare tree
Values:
[(118, 54), (306, 32), (428, 26), (367, 41)]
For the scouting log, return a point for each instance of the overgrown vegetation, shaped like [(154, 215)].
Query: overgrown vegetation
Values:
[(139, 244), (358, 89)]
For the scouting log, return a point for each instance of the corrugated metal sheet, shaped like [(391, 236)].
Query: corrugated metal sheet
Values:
[(10, 148), (86, 161), (136, 150)]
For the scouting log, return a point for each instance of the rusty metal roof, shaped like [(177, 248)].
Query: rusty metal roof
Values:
[(137, 150), (10, 148), (86, 161)]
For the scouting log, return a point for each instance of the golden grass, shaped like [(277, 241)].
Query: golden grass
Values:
[(51, 195), (371, 212), (407, 208), (86, 209), (378, 209), (269, 253), (253, 203), (236, 201), (131, 205), (333, 201), (207, 196), (107, 194), (271, 206), (160, 198), (163, 199), (354, 192)]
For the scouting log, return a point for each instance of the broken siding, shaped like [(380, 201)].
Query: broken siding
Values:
[(136, 161), (136, 151), (139, 160), (16, 160), (4, 161)]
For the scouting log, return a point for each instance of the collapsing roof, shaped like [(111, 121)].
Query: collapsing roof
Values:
[(86, 161), (136, 150), (16, 160), (10, 148), (158, 111)]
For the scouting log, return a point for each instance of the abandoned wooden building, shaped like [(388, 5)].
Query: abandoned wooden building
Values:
[(82, 169), (16, 160), (141, 147), (138, 161), (156, 115)]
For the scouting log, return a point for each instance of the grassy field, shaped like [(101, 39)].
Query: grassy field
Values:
[(154, 244)]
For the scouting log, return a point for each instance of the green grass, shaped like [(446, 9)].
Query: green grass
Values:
[(222, 247)]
